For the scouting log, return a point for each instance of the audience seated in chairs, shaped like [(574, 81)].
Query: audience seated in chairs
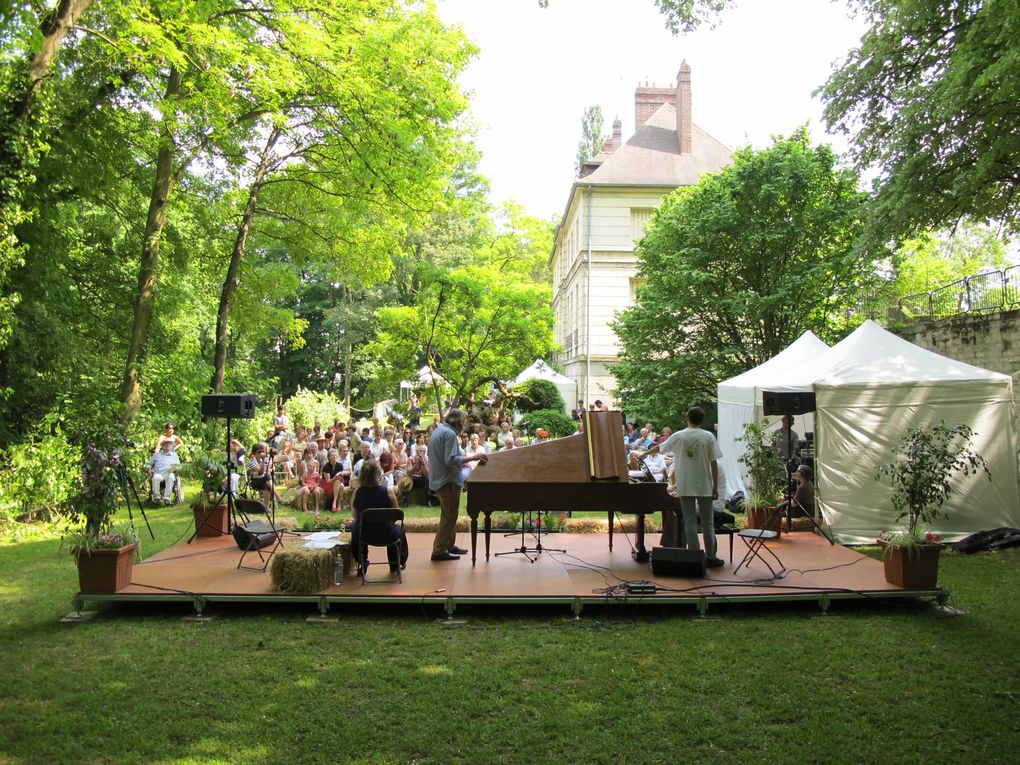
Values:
[(332, 477), (163, 466), (655, 464), (259, 477), (386, 466), (400, 458), (372, 493), (311, 479)]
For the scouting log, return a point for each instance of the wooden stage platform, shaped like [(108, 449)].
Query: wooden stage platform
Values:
[(205, 572)]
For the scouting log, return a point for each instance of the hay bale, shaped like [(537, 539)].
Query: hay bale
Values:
[(586, 526), (626, 523), (301, 570), (421, 525)]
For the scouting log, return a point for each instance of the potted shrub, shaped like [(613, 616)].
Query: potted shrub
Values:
[(104, 556), (105, 560), (766, 474), (210, 515), (925, 462)]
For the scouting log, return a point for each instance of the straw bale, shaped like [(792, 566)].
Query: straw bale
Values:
[(300, 570)]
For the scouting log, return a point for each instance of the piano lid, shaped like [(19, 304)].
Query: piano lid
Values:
[(595, 455)]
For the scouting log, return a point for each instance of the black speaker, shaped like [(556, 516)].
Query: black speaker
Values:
[(676, 561), (232, 405), (787, 403), (254, 535)]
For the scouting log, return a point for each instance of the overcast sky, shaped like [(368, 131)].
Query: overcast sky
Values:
[(538, 69)]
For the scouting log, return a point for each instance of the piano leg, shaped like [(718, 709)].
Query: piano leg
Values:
[(640, 554), (611, 530), (474, 537), (488, 532)]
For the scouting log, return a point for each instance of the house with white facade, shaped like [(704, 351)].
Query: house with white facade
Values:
[(593, 262)]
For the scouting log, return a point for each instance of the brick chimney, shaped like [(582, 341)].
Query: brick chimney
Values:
[(613, 142), (648, 99), (684, 129)]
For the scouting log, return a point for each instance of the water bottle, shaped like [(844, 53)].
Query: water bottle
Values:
[(338, 568)]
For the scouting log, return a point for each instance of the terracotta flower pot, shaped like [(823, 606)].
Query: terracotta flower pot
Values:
[(756, 517), (105, 570), (215, 525), (913, 568)]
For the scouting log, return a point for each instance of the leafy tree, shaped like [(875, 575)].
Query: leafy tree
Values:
[(554, 421), (521, 244), (738, 267), (934, 259), (930, 98), (34, 32), (543, 394), (592, 138), (684, 15), (469, 325)]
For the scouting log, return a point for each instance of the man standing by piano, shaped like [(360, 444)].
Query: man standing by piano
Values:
[(695, 455), (445, 463)]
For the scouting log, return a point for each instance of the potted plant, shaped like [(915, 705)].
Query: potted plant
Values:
[(210, 515), (925, 462), (766, 474), (104, 556)]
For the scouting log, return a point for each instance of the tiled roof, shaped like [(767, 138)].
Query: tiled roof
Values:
[(652, 156)]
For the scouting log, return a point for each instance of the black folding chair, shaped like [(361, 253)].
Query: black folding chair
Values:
[(379, 516), (252, 536), (756, 540)]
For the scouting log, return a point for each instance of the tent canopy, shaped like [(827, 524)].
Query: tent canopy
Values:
[(542, 371), (740, 401), (870, 388)]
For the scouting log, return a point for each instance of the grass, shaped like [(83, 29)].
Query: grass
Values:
[(875, 683)]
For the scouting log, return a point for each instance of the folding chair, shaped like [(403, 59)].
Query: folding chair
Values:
[(756, 539), (379, 516), (245, 508)]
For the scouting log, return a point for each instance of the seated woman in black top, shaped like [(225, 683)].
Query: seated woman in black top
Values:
[(372, 493)]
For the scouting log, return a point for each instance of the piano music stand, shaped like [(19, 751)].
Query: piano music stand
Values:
[(524, 549)]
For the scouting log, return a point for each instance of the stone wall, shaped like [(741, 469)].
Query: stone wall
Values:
[(991, 341)]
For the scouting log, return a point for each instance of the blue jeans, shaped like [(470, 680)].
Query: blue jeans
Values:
[(691, 507)]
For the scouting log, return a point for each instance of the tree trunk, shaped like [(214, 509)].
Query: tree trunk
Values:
[(349, 349), (54, 29), (230, 283), (131, 391)]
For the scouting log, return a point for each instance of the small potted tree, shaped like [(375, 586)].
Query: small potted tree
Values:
[(210, 515), (925, 462), (105, 555), (766, 474)]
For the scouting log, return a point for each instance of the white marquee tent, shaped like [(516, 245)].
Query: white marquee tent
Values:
[(740, 402), (869, 389), (542, 371)]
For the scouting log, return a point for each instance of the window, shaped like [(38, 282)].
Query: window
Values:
[(639, 217)]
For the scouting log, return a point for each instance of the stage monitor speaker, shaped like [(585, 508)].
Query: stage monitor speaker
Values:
[(237, 406), (787, 403), (254, 535), (676, 561)]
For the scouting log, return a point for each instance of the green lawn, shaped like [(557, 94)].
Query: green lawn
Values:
[(873, 683)]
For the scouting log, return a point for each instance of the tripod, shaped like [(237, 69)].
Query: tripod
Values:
[(126, 482), (791, 490), (524, 549), (228, 493)]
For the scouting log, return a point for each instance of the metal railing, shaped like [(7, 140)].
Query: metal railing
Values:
[(982, 293)]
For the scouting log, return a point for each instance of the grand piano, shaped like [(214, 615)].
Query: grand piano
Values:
[(586, 471)]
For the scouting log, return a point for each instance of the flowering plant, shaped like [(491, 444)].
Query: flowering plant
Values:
[(905, 538), (319, 522), (926, 459), (82, 541)]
